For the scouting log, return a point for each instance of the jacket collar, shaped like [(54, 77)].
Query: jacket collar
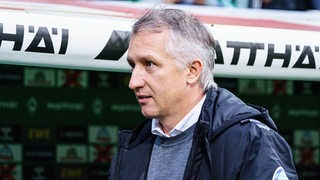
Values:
[(219, 106), (131, 138)]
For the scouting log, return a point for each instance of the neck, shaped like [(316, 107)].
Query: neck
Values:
[(169, 122)]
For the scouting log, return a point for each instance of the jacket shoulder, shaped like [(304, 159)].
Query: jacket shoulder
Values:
[(253, 149)]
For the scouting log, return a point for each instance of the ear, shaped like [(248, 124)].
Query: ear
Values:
[(194, 71)]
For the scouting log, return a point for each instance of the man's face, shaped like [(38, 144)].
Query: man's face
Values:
[(159, 86)]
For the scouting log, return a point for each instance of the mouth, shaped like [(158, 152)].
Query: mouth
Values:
[(142, 99)]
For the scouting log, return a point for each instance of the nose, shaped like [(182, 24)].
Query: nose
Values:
[(136, 79)]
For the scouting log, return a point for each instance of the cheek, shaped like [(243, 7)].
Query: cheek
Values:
[(169, 84), (172, 91), (167, 87)]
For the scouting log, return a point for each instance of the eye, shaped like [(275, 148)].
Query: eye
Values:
[(131, 64), (149, 64)]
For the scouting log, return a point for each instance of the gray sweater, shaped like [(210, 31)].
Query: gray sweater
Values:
[(169, 156)]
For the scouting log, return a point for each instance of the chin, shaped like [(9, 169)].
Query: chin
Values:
[(148, 114)]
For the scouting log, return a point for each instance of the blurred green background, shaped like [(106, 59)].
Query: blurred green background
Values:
[(62, 123)]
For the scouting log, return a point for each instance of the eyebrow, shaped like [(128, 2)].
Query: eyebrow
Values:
[(141, 59)]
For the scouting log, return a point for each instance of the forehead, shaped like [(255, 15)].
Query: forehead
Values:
[(146, 43), (149, 34)]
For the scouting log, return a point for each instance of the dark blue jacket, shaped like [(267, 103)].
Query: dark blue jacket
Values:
[(232, 140)]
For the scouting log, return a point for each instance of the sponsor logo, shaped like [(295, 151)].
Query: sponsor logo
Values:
[(39, 134), (65, 106), (101, 154), (52, 40), (251, 86), (32, 105), (279, 174), (39, 153), (103, 134), (280, 87), (10, 153), (72, 78), (10, 133), (11, 76), (304, 113), (9, 104), (72, 172), (98, 171), (6, 134), (307, 88), (6, 153), (306, 143), (38, 172), (42, 39), (72, 153), (125, 108), (10, 171), (103, 79), (35, 77), (305, 59), (276, 111), (97, 107), (116, 46), (72, 134)]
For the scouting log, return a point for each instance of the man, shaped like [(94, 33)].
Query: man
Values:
[(194, 130)]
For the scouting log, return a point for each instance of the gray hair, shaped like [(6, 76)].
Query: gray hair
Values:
[(189, 39)]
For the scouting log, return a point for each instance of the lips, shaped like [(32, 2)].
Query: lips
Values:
[(142, 99)]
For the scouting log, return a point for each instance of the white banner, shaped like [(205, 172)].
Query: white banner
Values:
[(101, 44), (267, 52), (64, 42)]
